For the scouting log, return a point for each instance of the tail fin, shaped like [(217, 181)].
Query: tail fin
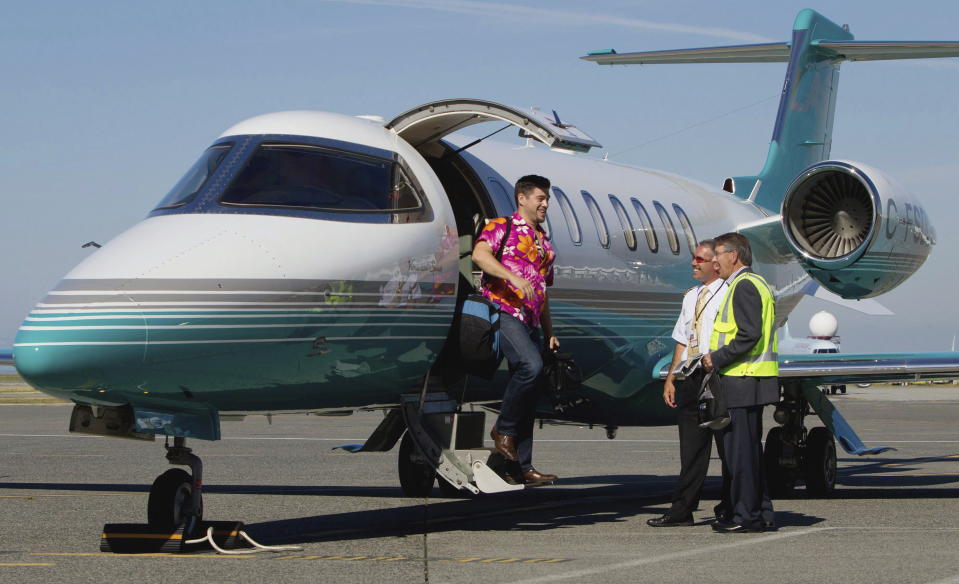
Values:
[(802, 135)]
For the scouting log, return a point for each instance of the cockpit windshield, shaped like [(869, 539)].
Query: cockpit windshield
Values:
[(314, 177), (186, 189)]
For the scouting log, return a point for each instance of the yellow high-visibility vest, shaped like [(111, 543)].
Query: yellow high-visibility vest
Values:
[(763, 359)]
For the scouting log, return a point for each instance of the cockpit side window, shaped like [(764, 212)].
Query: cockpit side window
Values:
[(313, 177), (187, 188)]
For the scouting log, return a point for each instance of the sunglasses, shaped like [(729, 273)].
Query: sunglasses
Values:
[(700, 259)]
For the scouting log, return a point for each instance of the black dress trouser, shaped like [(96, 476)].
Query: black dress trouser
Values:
[(743, 455), (695, 446)]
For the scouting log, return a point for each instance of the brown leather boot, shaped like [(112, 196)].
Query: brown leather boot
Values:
[(505, 445), (533, 476)]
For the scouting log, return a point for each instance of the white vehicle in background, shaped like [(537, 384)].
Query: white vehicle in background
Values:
[(824, 339)]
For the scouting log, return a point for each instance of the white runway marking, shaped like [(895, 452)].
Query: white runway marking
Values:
[(577, 574), (49, 436), (160, 435), (915, 441)]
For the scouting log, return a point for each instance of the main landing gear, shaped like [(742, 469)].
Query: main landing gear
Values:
[(795, 454)]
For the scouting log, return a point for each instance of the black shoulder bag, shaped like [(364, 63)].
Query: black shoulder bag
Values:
[(479, 329)]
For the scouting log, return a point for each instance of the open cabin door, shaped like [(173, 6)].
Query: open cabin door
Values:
[(432, 121), (470, 195), (424, 126)]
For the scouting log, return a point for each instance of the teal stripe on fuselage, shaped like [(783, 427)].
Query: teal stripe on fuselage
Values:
[(340, 355), (150, 328)]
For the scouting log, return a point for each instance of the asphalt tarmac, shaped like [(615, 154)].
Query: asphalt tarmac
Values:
[(893, 517)]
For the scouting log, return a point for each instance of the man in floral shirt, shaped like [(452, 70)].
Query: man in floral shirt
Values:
[(517, 283)]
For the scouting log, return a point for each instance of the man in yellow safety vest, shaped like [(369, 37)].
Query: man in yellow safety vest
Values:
[(743, 352)]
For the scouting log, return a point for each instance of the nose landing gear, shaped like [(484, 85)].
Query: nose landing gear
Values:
[(175, 516), (176, 497)]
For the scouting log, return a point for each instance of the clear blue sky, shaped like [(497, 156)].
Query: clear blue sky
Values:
[(104, 105)]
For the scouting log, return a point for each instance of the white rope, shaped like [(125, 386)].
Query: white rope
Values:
[(271, 548), (259, 547)]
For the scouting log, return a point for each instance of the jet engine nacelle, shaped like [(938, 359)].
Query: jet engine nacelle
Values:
[(855, 230)]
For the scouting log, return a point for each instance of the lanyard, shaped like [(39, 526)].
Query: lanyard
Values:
[(705, 304)]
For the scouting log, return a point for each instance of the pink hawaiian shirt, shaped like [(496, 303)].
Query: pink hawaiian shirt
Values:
[(527, 253)]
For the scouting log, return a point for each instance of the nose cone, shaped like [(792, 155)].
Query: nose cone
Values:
[(59, 349)]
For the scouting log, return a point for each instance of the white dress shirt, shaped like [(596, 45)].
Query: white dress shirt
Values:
[(682, 332)]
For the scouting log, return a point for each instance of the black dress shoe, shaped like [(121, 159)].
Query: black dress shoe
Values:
[(722, 515), (769, 526), (715, 423), (730, 527), (668, 520)]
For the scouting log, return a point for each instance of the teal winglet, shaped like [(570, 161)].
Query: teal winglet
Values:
[(837, 424)]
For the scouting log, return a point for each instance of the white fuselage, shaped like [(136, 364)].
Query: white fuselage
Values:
[(264, 308)]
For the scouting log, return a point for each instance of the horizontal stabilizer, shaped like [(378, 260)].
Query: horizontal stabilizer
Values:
[(779, 53), (802, 135), (890, 50), (761, 53)]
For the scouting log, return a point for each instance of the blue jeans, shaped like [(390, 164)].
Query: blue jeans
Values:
[(523, 349)]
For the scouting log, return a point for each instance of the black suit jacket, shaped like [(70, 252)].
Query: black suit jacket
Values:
[(745, 391)]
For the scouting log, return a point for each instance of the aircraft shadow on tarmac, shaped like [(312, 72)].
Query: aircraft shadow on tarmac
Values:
[(316, 490), (858, 476), (572, 502), (532, 510)]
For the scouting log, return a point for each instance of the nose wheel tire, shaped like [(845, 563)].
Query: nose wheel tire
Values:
[(416, 477), (820, 462), (171, 500)]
